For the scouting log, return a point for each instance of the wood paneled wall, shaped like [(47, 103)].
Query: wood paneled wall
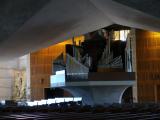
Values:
[(41, 67), (148, 65)]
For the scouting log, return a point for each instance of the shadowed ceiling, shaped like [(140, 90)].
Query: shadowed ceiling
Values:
[(29, 25), (14, 13)]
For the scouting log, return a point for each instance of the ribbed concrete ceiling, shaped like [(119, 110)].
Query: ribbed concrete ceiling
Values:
[(29, 26)]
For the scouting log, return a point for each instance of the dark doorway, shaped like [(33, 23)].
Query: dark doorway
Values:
[(56, 92), (127, 96)]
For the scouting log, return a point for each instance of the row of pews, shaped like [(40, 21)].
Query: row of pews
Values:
[(79, 112), (82, 116)]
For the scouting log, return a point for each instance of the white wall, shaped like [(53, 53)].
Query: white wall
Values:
[(7, 69), (6, 78)]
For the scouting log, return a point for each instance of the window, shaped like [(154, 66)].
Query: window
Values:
[(121, 35)]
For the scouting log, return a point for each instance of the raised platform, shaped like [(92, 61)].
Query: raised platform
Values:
[(101, 88), (101, 83)]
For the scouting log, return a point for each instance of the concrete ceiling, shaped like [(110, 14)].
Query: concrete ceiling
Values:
[(147, 6), (14, 13), (28, 25)]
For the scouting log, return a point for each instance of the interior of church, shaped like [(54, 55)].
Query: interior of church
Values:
[(79, 60)]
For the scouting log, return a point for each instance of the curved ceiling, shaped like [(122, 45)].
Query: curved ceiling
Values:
[(56, 20)]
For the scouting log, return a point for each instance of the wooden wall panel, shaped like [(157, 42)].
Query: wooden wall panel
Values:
[(41, 67), (148, 65)]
